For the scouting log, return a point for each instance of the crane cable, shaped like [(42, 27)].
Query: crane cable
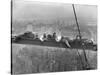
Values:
[(80, 37)]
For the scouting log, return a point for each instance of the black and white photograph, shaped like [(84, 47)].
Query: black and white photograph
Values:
[(51, 37)]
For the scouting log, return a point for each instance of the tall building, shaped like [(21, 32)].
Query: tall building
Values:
[(29, 28)]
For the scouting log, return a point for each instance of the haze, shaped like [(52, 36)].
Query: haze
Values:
[(48, 15)]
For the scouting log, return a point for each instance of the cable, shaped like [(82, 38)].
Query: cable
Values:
[(87, 64), (76, 21), (80, 58)]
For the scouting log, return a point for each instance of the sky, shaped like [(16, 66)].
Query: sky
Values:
[(41, 14), (24, 9)]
